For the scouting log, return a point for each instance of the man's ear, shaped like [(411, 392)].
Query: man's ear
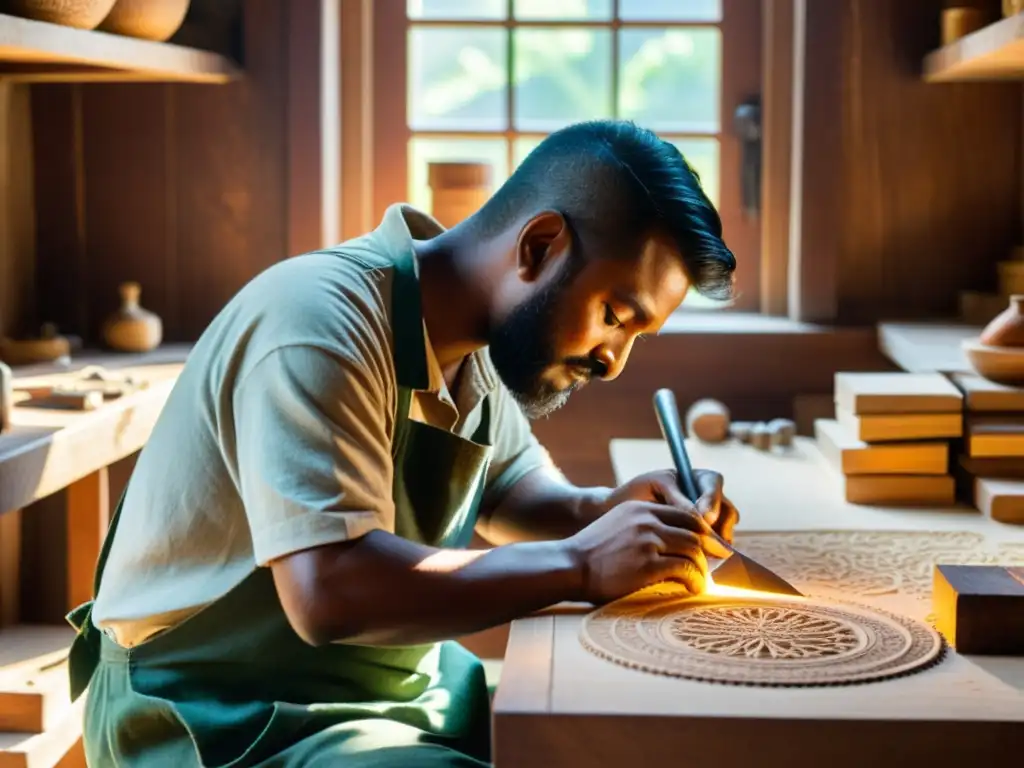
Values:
[(542, 241)]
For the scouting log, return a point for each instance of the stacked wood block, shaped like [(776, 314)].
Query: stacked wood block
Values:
[(39, 726), (890, 439), (990, 460)]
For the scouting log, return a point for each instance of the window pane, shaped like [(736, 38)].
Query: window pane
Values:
[(702, 155), (561, 76), (669, 80), (457, 79), (456, 9), (591, 10), (670, 10), (426, 150)]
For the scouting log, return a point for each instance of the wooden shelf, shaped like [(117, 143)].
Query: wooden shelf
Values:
[(37, 51), (927, 347), (995, 52)]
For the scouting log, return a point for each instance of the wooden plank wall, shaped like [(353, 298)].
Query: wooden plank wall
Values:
[(180, 187), (931, 174), (17, 236)]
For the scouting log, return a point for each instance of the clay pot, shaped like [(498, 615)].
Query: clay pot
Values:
[(132, 328), (1003, 365), (82, 14), (148, 19), (1007, 328), (459, 189)]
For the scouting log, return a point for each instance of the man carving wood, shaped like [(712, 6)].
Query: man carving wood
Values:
[(290, 558)]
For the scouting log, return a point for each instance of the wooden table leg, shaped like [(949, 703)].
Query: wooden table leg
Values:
[(10, 567), (88, 515)]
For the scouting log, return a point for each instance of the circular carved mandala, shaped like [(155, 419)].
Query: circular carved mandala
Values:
[(758, 641)]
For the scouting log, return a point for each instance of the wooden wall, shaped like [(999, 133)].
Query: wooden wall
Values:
[(17, 224), (180, 187), (930, 180)]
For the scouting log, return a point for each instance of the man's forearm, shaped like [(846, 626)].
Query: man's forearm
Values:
[(542, 507), (385, 590)]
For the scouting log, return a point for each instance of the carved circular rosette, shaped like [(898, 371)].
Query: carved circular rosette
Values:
[(761, 641)]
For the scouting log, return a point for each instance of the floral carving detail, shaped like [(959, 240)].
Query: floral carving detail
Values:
[(765, 632)]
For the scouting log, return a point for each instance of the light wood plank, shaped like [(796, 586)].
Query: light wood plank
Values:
[(46, 749), (852, 456), (10, 567), (26, 41), (49, 449), (984, 395), (927, 347), (995, 52), (863, 393), (88, 516)]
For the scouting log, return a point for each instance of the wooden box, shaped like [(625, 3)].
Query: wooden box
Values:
[(980, 608)]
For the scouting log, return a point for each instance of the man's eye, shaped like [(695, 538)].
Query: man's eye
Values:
[(609, 316)]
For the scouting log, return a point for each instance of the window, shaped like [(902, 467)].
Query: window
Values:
[(486, 80)]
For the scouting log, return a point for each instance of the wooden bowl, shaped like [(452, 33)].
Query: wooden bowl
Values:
[(30, 351), (82, 14), (1003, 365), (148, 19)]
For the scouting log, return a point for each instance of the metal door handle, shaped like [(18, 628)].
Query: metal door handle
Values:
[(747, 124)]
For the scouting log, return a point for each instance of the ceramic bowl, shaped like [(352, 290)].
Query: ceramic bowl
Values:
[(148, 19), (1003, 365), (83, 14)]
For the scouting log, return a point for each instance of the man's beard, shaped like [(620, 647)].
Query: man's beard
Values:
[(522, 349)]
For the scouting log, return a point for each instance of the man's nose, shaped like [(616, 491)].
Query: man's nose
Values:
[(612, 359)]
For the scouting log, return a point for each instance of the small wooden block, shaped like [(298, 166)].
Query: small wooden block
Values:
[(1003, 467), (740, 431), (808, 408), (47, 749), (852, 456), (984, 395), (900, 490), (995, 437), (1000, 499), (879, 428), (896, 393), (980, 608), (35, 702), (783, 431), (761, 436)]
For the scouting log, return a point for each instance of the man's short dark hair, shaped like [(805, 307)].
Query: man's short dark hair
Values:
[(619, 182)]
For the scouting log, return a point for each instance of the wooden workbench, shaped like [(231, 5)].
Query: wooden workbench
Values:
[(49, 450), (558, 705)]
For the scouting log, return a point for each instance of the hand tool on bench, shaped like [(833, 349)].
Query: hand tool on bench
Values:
[(735, 570)]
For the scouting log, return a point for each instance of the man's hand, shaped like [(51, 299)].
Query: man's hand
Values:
[(639, 543), (663, 487)]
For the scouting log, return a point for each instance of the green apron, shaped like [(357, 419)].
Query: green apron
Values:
[(233, 685)]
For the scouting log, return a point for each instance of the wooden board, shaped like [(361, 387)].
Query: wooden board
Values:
[(995, 436), (35, 701), (980, 608), (927, 347), (900, 490), (901, 427), (984, 395), (49, 449), (46, 749), (851, 456), (1000, 499), (796, 490), (896, 393), (964, 711), (45, 52), (994, 52), (600, 714)]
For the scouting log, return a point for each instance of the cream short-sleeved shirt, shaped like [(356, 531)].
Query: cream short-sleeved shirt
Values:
[(277, 434)]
